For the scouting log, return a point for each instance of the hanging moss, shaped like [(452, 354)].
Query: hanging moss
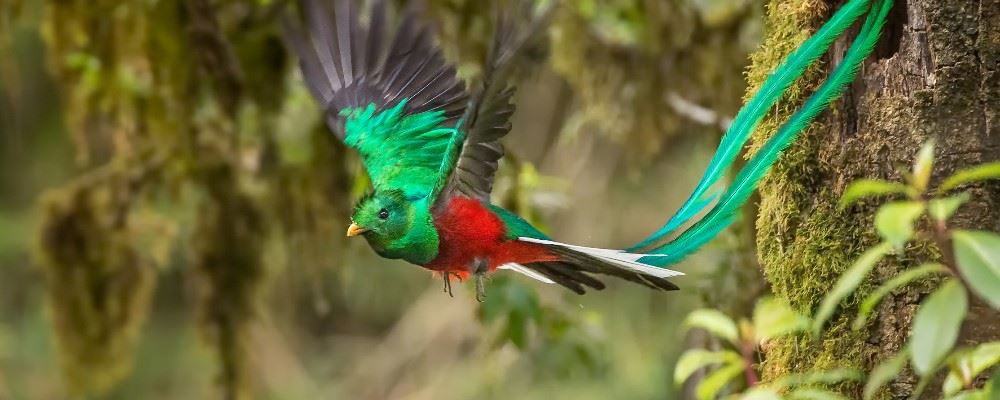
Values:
[(646, 49), (137, 90), (226, 247), (99, 283), (644, 45)]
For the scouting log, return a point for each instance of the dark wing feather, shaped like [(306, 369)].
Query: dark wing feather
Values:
[(348, 65), (487, 117)]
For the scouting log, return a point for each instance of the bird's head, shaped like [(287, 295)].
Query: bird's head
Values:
[(395, 226), (381, 215)]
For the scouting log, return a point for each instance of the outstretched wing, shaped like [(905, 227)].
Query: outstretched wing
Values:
[(487, 118), (394, 99)]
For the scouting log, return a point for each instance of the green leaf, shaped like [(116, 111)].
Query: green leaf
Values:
[(898, 281), (978, 173), (773, 318), (942, 209), (885, 372), (516, 330), (815, 394), (761, 393), (715, 381), (848, 283), (869, 188), (953, 383), (695, 359), (923, 165), (894, 221), (921, 386), (936, 325), (968, 365), (993, 386), (970, 395), (978, 256), (715, 322)]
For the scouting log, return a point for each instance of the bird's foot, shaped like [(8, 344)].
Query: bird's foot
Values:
[(479, 268), (447, 283), (480, 287)]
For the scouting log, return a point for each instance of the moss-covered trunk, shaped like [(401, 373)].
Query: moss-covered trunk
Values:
[(934, 74)]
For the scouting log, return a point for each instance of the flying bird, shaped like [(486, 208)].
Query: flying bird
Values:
[(431, 145)]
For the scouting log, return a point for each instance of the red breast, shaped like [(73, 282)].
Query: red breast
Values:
[(468, 230)]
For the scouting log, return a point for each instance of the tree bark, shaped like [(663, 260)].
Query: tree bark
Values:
[(934, 74)]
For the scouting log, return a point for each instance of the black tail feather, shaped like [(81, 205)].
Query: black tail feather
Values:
[(575, 269), (567, 275), (596, 265)]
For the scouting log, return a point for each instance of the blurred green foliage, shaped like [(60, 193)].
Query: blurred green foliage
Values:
[(201, 185)]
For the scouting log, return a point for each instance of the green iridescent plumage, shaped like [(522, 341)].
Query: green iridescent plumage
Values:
[(408, 157), (407, 230), (399, 149)]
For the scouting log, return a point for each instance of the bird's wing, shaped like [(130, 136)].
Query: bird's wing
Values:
[(472, 158), (393, 98)]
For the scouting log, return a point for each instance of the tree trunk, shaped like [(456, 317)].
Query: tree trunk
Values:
[(934, 74)]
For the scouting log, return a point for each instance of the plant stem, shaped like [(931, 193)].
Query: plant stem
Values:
[(747, 350), (942, 237)]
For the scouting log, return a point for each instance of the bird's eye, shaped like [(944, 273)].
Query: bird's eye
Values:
[(383, 214)]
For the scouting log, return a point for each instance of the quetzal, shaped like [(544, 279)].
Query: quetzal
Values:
[(431, 147)]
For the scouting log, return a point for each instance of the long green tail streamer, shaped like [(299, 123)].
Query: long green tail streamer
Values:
[(754, 111), (734, 196)]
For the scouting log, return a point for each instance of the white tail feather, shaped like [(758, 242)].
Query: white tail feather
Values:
[(526, 271), (621, 258)]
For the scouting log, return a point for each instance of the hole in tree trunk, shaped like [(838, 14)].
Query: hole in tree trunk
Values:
[(892, 33)]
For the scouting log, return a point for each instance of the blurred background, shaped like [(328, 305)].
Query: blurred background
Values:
[(172, 208)]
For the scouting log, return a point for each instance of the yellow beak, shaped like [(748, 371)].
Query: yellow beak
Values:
[(355, 230)]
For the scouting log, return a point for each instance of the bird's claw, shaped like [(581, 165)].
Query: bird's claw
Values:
[(479, 268), (480, 288), (447, 284)]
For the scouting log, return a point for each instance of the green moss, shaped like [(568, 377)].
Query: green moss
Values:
[(804, 242), (227, 244), (99, 283), (650, 50)]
